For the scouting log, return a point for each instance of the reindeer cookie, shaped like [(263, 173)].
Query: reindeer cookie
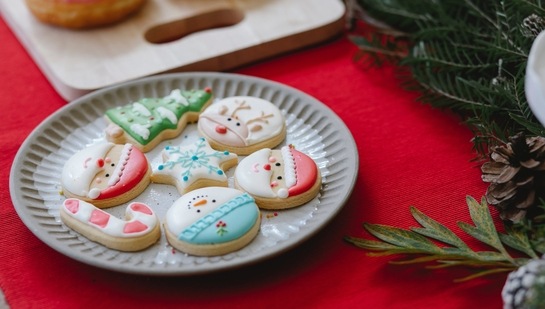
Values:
[(151, 120), (139, 229), (212, 221), (106, 174), (242, 125), (278, 179)]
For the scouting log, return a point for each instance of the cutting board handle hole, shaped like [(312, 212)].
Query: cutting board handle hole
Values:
[(175, 30)]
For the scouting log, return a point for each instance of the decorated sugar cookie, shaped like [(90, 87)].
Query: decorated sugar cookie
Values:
[(212, 221), (194, 166), (106, 174), (151, 120), (242, 125), (278, 179), (139, 230)]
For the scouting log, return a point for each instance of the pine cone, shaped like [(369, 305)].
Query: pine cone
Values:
[(516, 173), (524, 286)]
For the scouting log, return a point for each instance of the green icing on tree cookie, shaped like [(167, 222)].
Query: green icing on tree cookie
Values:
[(145, 119)]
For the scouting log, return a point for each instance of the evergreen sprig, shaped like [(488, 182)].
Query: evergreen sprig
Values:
[(464, 55), (448, 249)]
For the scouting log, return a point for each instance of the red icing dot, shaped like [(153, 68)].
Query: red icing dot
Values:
[(267, 167), (208, 90), (221, 129), (100, 162)]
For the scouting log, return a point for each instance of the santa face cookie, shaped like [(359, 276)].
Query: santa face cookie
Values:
[(151, 120), (242, 125), (106, 174), (278, 179), (139, 229), (194, 166), (212, 221)]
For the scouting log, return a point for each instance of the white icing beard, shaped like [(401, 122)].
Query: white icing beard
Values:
[(80, 170), (251, 176), (115, 177)]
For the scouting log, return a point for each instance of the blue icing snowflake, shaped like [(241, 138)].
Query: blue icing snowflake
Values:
[(190, 161)]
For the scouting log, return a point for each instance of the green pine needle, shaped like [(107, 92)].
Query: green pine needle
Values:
[(435, 244), (463, 55)]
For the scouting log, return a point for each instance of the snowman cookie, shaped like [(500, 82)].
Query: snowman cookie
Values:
[(106, 174), (278, 179), (212, 221), (139, 229), (242, 124), (193, 166), (151, 120)]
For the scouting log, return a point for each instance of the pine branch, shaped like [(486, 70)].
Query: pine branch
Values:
[(434, 243), (468, 56)]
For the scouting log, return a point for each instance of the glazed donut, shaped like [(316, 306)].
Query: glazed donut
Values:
[(79, 14)]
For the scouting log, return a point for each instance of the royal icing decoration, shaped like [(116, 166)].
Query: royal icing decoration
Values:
[(241, 121), (276, 173), (146, 119), (212, 215), (186, 164), (141, 218), (95, 173)]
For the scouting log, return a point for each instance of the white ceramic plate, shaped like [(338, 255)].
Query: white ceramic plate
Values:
[(312, 128)]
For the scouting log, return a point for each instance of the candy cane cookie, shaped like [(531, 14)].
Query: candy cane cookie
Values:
[(242, 124), (139, 230), (106, 174), (212, 221), (279, 179), (149, 121)]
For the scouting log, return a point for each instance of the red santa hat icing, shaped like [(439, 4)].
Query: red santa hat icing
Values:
[(300, 172)]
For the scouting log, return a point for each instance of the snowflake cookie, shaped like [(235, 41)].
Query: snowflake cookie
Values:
[(194, 166)]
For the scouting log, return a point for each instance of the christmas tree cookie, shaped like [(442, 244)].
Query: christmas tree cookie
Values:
[(193, 166), (149, 121)]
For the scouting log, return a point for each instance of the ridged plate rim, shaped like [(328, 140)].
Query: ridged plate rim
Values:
[(340, 154)]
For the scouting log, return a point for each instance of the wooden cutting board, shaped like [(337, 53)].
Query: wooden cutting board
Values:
[(172, 35)]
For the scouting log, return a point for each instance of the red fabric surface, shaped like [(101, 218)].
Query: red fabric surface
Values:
[(410, 154)]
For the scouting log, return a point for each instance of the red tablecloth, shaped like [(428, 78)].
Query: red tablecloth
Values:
[(410, 154)]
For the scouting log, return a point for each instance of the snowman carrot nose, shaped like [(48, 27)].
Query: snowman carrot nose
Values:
[(200, 202), (221, 129)]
